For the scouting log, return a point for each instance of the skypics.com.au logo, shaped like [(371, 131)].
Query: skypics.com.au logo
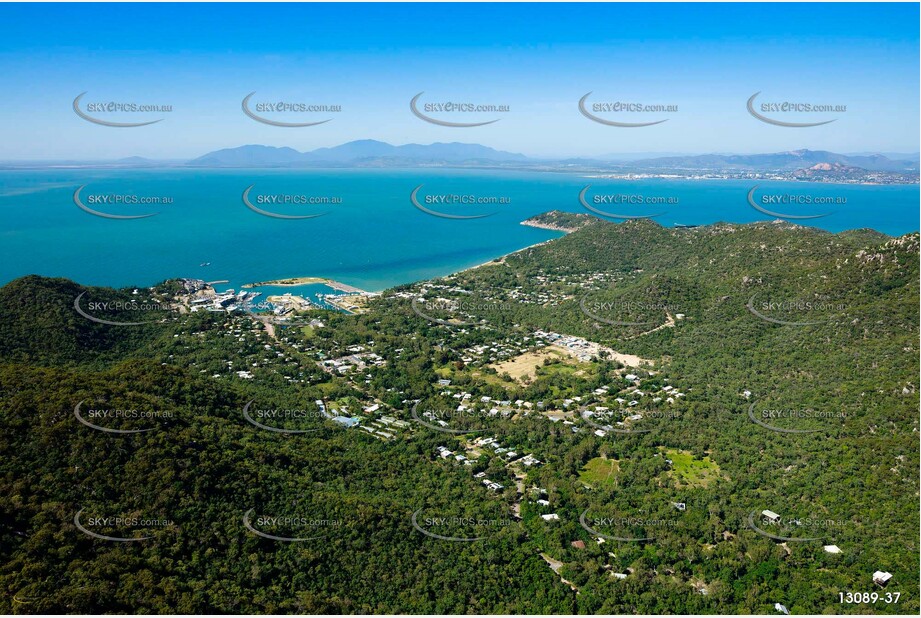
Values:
[(120, 307), (791, 311), (769, 112), (97, 111), (795, 528), (289, 528), (623, 201), (458, 528), (260, 111), (622, 110), (774, 201), (446, 419), (453, 312), (430, 112), (111, 527), (625, 421), (434, 204), (117, 200), (795, 419), (297, 416), (627, 529), (638, 312), (287, 200), (93, 415)]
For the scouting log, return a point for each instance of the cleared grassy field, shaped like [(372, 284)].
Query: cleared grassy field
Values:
[(691, 472), (600, 471), (530, 365), (524, 366)]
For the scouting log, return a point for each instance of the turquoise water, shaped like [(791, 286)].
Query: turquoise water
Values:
[(373, 240)]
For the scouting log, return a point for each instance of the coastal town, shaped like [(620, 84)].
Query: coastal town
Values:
[(454, 309)]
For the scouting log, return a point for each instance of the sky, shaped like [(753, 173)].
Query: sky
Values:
[(537, 59)]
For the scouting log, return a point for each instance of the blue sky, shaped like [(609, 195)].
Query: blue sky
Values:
[(538, 59)]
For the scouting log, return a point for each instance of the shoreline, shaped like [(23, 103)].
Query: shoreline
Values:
[(293, 282), (497, 261), (500, 259), (341, 286), (604, 176), (548, 226)]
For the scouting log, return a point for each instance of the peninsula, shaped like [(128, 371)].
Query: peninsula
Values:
[(299, 281)]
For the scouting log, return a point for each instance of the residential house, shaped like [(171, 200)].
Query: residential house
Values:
[(881, 578), (771, 516)]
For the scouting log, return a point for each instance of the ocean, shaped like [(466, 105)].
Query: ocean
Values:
[(370, 234)]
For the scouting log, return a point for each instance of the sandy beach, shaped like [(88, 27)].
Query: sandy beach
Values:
[(501, 259)]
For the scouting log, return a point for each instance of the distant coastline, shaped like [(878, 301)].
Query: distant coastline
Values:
[(802, 165), (638, 177)]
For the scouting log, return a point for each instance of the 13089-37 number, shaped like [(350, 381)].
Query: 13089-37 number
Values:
[(868, 597)]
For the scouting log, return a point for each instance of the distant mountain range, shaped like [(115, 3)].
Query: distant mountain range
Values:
[(361, 153), (372, 153), (801, 164)]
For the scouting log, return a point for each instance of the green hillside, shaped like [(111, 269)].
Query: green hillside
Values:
[(784, 377)]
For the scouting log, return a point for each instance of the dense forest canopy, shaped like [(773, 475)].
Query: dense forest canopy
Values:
[(668, 385)]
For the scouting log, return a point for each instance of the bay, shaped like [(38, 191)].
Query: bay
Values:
[(376, 237)]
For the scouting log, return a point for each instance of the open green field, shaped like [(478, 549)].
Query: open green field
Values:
[(600, 471), (690, 471)]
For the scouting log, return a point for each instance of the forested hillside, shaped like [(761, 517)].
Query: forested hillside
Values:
[(670, 385)]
